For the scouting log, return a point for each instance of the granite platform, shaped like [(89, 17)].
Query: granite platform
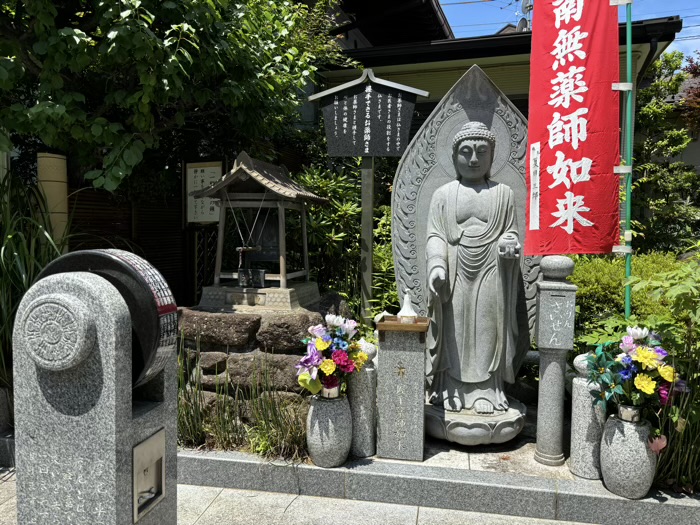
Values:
[(492, 482), (219, 506)]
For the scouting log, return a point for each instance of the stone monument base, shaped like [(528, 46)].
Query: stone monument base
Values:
[(241, 299), (469, 428)]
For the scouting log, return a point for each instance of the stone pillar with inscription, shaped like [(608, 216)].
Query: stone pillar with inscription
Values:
[(400, 389), (362, 394), (95, 415), (556, 309)]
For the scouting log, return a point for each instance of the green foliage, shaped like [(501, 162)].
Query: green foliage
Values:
[(679, 465), (600, 295), (675, 292), (26, 246), (334, 228), (679, 288), (107, 81), (385, 294), (666, 205)]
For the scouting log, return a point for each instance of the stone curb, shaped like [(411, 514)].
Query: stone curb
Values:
[(457, 489)]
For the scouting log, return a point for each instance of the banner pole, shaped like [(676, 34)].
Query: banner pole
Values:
[(628, 161)]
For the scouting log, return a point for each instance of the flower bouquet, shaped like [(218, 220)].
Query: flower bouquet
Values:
[(332, 353), (639, 375), (636, 379)]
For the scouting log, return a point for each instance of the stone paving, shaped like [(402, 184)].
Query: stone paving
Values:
[(215, 506)]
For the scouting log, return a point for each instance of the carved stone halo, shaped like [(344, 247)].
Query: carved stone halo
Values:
[(59, 331)]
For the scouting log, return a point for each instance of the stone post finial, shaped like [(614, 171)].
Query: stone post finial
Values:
[(556, 267)]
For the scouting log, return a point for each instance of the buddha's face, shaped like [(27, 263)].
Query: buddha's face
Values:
[(473, 159)]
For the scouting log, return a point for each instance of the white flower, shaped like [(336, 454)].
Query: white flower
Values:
[(637, 333), (334, 320)]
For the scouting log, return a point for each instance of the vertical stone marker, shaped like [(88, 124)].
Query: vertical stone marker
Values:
[(587, 421), (400, 389), (556, 310), (362, 394), (91, 448)]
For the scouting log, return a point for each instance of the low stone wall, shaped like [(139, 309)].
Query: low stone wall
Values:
[(246, 353)]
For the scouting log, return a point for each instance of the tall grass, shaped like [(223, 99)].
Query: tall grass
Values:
[(278, 429), (679, 463), (27, 246), (250, 417)]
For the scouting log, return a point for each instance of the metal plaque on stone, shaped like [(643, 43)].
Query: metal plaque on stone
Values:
[(248, 278)]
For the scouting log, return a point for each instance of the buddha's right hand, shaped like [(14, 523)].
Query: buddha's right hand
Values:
[(436, 280)]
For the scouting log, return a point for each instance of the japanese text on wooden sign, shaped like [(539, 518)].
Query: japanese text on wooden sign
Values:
[(368, 120), (200, 175), (574, 129)]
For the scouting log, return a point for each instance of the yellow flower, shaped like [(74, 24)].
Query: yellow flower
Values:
[(327, 367), (645, 383), (646, 357), (360, 358), (321, 345), (668, 373)]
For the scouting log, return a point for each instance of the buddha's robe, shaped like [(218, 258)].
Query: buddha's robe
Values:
[(473, 332)]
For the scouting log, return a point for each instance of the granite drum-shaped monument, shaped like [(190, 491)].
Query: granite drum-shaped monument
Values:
[(90, 447), (147, 295), (458, 226)]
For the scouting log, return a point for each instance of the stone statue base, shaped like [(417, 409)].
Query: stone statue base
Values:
[(469, 428)]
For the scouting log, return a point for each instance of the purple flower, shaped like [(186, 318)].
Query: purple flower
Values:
[(625, 375), (310, 362), (681, 386), (318, 330), (626, 360), (627, 343), (660, 352)]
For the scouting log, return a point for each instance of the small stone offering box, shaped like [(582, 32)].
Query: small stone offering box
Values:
[(95, 376), (400, 389)]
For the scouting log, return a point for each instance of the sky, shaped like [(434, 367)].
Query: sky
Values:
[(470, 18)]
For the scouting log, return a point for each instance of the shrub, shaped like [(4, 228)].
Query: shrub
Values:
[(601, 291)]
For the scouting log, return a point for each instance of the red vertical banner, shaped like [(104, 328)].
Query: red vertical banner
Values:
[(574, 129)]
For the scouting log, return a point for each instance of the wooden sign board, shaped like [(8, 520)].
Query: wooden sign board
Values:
[(199, 175), (368, 120)]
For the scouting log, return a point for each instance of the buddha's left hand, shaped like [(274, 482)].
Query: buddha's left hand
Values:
[(508, 246)]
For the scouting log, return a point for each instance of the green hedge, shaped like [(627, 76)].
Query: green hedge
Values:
[(601, 292)]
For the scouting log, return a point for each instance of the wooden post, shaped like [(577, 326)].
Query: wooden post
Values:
[(220, 238), (304, 240), (366, 237), (283, 245)]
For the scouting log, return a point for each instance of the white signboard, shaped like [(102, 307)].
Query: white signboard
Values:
[(201, 175)]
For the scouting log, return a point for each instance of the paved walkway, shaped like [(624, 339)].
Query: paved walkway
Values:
[(214, 506)]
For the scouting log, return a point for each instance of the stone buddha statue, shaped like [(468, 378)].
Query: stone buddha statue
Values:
[(472, 269)]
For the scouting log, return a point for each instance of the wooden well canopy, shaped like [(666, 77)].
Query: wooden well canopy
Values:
[(256, 184)]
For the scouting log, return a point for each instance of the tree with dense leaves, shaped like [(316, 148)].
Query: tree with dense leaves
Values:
[(691, 109), (666, 197), (107, 81)]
